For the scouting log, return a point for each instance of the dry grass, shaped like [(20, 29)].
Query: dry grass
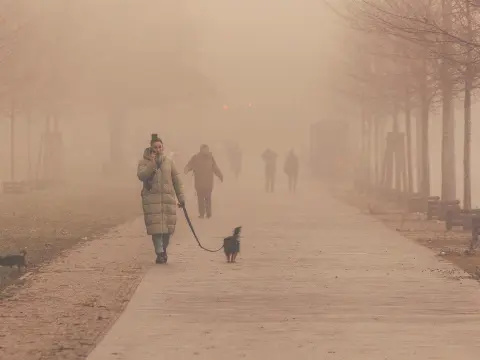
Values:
[(46, 223)]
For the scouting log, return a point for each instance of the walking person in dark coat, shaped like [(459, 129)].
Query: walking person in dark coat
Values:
[(270, 159), (291, 168), (204, 168)]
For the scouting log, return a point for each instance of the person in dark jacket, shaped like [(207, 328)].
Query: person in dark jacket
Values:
[(291, 168), (270, 159), (204, 168)]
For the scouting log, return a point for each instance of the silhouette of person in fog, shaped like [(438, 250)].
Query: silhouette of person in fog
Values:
[(204, 167), (270, 159), (235, 159), (291, 168)]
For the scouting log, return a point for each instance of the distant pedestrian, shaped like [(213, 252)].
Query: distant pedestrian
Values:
[(234, 153), (204, 168), (270, 159), (291, 168)]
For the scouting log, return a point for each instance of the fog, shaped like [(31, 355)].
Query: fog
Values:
[(192, 71), (255, 72), (83, 86)]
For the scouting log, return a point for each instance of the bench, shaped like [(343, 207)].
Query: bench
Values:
[(15, 187), (438, 209), (459, 217), (475, 224), (433, 207)]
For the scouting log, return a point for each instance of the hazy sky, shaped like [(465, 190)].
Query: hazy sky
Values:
[(269, 49), (91, 58)]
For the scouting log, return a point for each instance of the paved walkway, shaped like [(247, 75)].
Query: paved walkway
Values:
[(316, 280)]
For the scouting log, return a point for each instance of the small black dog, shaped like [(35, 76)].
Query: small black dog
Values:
[(231, 245), (14, 260)]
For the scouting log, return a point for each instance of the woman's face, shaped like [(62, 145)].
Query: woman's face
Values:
[(157, 147)]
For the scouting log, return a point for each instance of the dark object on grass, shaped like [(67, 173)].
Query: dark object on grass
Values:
[(14, 260)]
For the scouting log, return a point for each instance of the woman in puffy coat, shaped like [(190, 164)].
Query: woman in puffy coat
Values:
[(162, 188)]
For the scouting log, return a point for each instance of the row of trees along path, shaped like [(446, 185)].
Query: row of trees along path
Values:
[(411, 57)]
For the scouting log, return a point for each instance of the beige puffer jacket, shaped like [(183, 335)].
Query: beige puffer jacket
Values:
[(161, 189)]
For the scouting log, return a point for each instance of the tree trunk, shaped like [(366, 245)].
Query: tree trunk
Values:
[(12, 142), (418, 152), (424, 135), (29, 145), (448, 125), (467, 186), (467, 183), (369, 125), (408, 133), (397, 166), (365, 146), (376, 150)]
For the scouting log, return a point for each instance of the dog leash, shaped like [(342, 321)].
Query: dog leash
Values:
[(195, 234)]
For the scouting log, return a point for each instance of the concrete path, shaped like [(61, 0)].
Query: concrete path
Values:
[(315, 280)]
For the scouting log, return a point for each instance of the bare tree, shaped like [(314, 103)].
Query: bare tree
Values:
[(444, 49)]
